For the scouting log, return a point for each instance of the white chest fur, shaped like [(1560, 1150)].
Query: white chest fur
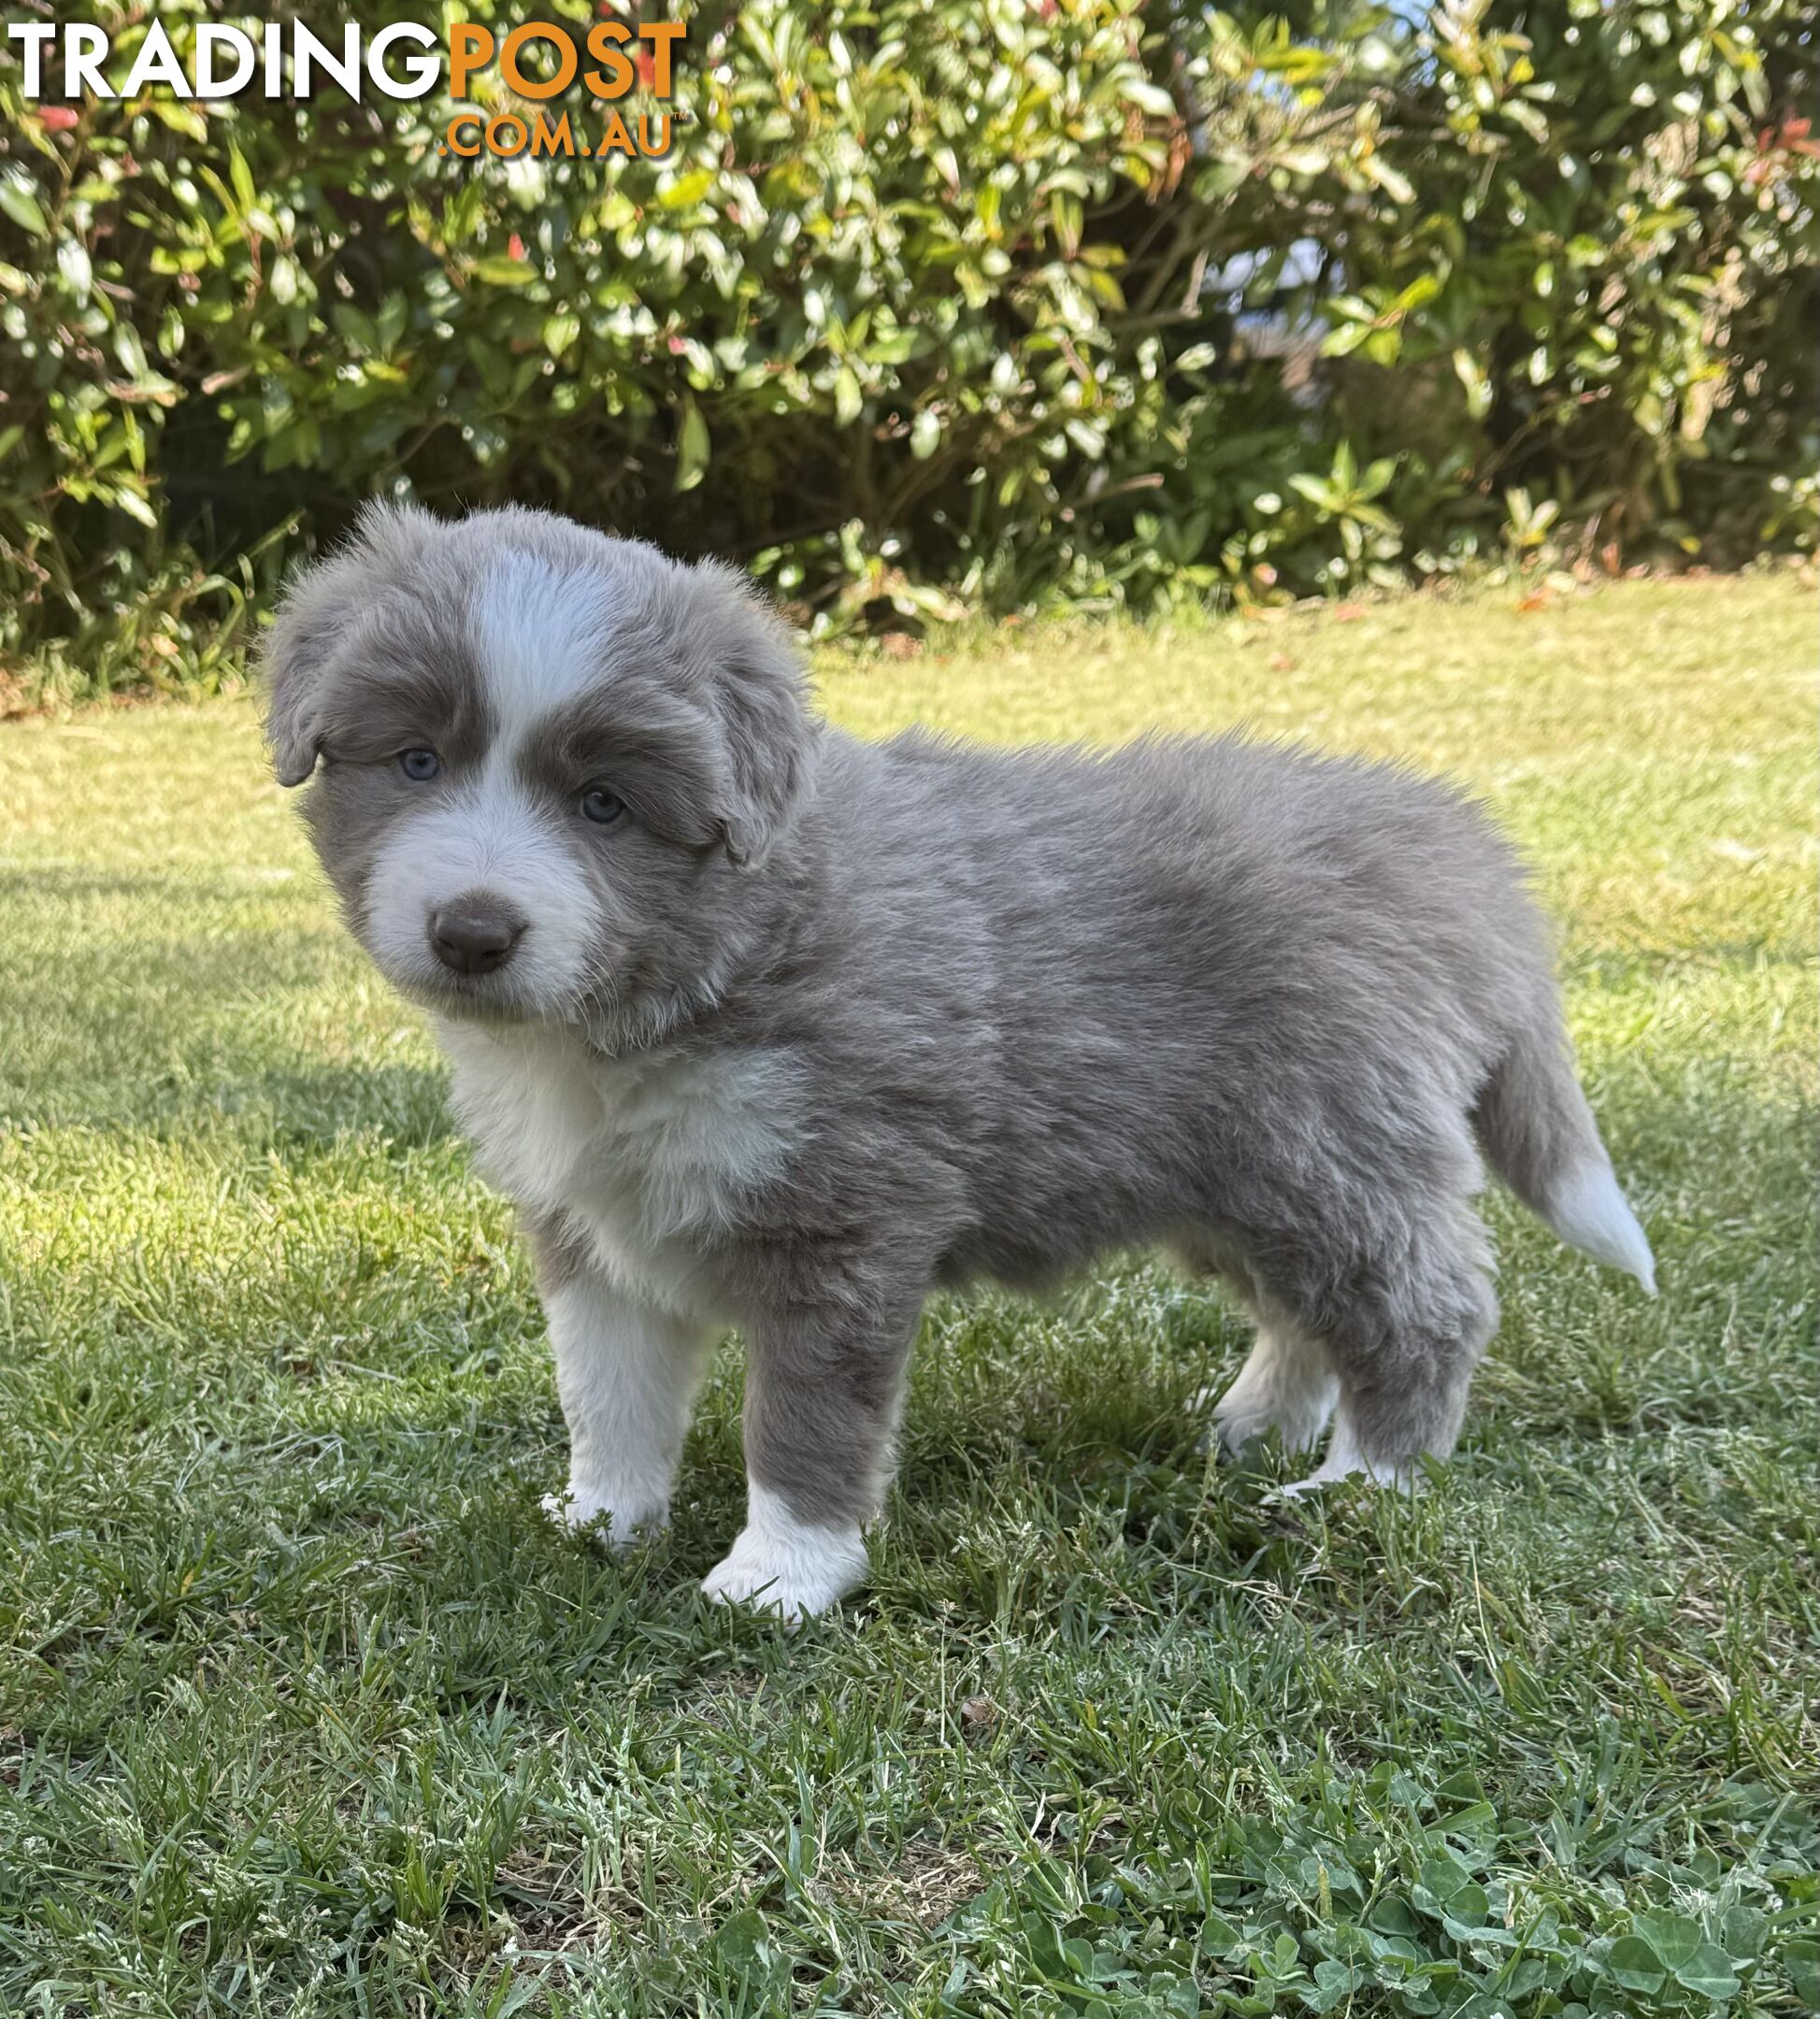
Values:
[(643, 1156)]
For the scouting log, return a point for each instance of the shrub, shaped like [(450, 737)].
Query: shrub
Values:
[(936, 304)]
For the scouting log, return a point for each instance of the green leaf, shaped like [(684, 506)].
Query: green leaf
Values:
[(1468, 1905), (1391, 180), (1421, 290), (1633, 1964), (1473, 376), (135, 507), (1708, 1971), (926, 433), (1674, 1937), (1533, 121), (1332, 1981), (502, 272), (1148, 97), (241, 177), (742, 1942), (687, 189), (1218, 1937), (395, 313), (74, 266), (1341, 342), (692, 447), (1183, 1999), (18, 200), (1801, 1960), (1742, 1932)]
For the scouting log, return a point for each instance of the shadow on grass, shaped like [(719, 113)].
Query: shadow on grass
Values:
[(1068, 1419), (161, 1035)]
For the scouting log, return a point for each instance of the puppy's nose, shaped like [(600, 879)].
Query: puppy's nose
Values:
[(475, 935)]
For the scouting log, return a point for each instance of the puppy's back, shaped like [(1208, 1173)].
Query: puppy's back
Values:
[(1246, 865)]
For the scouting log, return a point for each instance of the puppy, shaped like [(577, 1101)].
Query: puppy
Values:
[(763, 1026)]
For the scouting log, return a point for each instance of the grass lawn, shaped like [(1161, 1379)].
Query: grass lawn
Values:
[(305, 1709)]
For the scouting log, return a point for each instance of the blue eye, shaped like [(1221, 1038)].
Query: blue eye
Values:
[(600, 806), (419, 764)]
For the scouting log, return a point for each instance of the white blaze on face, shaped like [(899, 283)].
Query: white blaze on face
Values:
[(539, 635)]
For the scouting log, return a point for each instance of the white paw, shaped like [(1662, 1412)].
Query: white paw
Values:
[(582, 1512), (1241, 1418), (1286, 1384), (1345, 1461), (1322, 1478), (779, 1564)]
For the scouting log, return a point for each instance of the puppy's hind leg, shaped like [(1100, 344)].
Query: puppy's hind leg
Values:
[(1405, 1335), (1288, 1384)]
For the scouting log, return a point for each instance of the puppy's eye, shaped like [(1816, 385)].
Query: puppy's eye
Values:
[(600, 806), (419, 764)]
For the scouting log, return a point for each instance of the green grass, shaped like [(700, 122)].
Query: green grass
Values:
[(304, 1709)]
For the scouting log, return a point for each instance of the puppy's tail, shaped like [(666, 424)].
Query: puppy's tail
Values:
[(1539, 1137)]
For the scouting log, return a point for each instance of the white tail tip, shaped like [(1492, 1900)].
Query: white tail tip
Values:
[(1590, 1213)]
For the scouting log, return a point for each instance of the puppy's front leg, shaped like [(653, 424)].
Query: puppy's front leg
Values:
[(627, 1374), (822, 1395)]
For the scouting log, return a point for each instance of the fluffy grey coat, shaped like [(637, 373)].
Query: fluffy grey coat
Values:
[(764, 1025)]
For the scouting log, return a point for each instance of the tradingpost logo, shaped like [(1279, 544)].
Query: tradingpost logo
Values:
[(609, 64), (622, 67)]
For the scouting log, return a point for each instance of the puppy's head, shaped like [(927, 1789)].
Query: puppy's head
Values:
[(540, 760)]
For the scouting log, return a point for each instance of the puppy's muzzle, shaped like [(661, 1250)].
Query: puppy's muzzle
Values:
[(475, 934)]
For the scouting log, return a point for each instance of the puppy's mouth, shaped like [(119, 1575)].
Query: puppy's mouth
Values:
[(473, 999), (497, 998)]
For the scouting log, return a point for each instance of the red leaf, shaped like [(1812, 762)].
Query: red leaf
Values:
[(59, 118), (515, 247)]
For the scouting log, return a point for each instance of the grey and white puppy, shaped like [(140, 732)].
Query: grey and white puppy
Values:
[(765, 1026)]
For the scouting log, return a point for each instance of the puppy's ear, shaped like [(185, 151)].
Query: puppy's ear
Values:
[(293, 660), (761, 697), (312, 619)]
